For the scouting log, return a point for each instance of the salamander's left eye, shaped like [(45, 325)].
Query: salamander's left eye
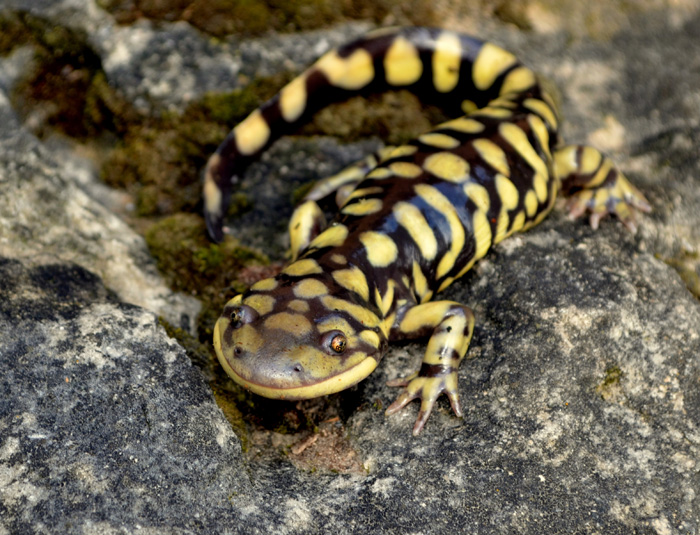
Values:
[(334, 342), (338, 343)]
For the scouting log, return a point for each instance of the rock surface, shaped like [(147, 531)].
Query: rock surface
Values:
[(581, 389)]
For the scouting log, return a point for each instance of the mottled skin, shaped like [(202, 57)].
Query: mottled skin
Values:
[(411, 219)]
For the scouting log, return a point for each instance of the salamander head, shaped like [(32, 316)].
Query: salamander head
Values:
[(288, 338)]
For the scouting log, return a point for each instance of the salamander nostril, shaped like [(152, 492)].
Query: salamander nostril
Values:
[(297, 368), (237, 351)]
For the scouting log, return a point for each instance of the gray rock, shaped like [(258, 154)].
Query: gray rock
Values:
[(581, 389), (46, 215)]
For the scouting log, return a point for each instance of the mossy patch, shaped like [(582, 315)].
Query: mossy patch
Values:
[(158, 160), (610, 389), (194, 265), (250, 18), (396, 117), (65, 88)]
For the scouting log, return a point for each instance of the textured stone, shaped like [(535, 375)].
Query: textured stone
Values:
[(581, 389)]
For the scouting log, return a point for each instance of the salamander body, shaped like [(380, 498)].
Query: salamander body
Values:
[(411, 219)]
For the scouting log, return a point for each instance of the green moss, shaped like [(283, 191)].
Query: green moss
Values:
[(65, 85), (248, 18), (396, 117), (610, 389), (228, 402), (194, 265), (13, 32)]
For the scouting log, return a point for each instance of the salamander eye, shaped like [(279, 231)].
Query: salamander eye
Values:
[(241, 315), (338, 343), (335, 342)]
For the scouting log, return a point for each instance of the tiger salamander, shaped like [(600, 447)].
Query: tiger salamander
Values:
[(411, 220)]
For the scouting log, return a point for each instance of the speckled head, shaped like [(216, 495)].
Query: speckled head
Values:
[(298, 337)]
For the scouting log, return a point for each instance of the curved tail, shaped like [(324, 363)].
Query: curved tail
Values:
[(457, 72)]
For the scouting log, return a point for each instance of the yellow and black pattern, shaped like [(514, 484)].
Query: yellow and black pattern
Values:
[(412, 219)]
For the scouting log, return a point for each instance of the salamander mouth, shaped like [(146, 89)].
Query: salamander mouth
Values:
[(307, 389)]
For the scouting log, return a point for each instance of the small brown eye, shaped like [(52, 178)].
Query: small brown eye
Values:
[(338, 343)]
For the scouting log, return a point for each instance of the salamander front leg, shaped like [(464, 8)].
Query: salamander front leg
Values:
[(597, 186), (452, 326)]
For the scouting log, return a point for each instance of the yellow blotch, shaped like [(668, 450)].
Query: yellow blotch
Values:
[(212, 193), (424, 315), (381, 249), (565, 161), (402, 64), (442, 204), (482, 233), (495, 113), (446, 61), (261, 302), (479, 195), (542, 109), (590, 159), (385, 301), (365, 316), (539, 184), (531, 203), (405, 169), (302, 225), (411, 218), (489, 64), (507, 192), (446, 283), (447, 166), (352, 72), (264, 285), (292, 323), (403, 150), (518, 222), (601, 174), (306, 266), (370, 337), (252, 134), (518, 80), (504, 102), (364, 191), (380, 173), (293, 99), (420, 283), (447, 262), (518, 140), (464, 124), (501, 226), (339, 258), (387, 324), (297, 305), (436, 139), (363, 207), (492, 155), (541, 132), (333, 236), (468, 106), (354, 280), (309, 288)]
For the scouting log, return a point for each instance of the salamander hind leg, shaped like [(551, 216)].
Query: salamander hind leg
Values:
[(595, 185), (452, 326)]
